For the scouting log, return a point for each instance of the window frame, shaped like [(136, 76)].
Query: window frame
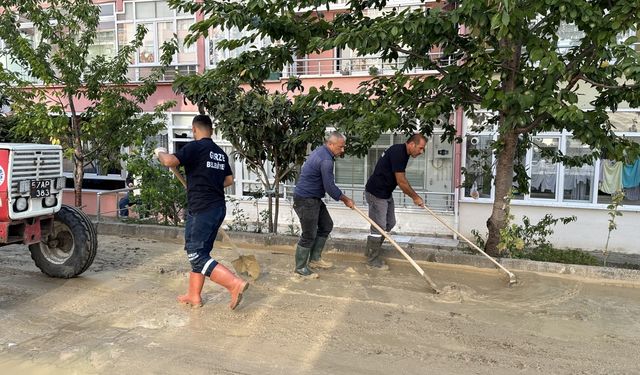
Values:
[(559, 201)]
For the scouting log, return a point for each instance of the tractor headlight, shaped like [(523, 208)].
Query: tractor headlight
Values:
[(24, 186), (21, 204), (50, 201), (61, 182)]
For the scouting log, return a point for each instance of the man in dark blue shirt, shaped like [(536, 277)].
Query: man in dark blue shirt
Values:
[(316, 179), (389, 173), (208, 173)]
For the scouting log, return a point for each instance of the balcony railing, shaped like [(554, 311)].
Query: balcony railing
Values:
[(138, 73), (357, 65)]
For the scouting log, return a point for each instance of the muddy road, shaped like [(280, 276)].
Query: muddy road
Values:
[(120, 317)]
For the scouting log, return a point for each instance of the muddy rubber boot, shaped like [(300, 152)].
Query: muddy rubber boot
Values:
[(315, 259), (302, 259), (374, 248), (193, 298), (234, 284)]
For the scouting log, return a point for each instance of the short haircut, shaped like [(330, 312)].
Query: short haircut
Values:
[(415, 139), (334, 136), (203, 122)]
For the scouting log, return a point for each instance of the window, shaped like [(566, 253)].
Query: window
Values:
[(161, 23), (430, 174), (105, 41), (180, 133), (578, 181), (350, 171), (216, 54), (477, 174), (544, 172), (554, 182)]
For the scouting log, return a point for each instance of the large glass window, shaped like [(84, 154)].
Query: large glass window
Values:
[(350, 171), (556, 182), (179, 133), (217, 54), (161, 23), (429, 174), (105, 42), (478, 174), (544, 172), (578, 181)]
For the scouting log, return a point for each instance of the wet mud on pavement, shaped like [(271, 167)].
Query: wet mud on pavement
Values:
[(121, 317)]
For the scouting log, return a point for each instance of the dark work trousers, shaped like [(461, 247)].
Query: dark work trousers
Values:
[(199, 235), (315, 220)]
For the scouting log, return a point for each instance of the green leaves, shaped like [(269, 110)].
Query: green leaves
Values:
[(91, 111)]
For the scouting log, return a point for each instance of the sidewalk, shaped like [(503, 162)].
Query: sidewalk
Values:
[(437, 250)]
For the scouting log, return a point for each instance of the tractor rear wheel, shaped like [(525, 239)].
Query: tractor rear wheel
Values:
[(71, 246)]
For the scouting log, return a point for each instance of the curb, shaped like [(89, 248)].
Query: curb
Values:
[(421, 252)]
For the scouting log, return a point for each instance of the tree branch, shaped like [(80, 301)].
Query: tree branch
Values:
[(536, 122), (605, 86)]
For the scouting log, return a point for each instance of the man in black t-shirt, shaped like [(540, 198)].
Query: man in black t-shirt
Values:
[(389, 173), (208, 173)]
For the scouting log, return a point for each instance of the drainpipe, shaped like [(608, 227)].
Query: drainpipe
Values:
[(457, 158), (457, 171)]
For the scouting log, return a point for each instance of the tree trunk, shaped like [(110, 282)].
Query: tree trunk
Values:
[(78, 155), (506, 156), (270, 195), (78, 172), (503, 187), (276, 190)]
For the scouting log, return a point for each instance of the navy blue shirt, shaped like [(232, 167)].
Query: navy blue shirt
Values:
[(383, 180), (206, 166), (316, 176)]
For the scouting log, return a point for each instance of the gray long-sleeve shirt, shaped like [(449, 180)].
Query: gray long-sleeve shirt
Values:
[(316, 176)]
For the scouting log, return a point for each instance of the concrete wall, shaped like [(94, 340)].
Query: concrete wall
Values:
[(588, 232)]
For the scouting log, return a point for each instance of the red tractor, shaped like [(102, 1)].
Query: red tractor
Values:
[(61, 238)]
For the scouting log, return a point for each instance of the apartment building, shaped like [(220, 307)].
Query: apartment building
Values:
[(436, 175)]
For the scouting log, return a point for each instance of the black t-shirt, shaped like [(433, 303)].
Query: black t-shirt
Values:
[(206, 166), (383, 180)]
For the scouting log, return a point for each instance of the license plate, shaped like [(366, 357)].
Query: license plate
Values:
[(41, 188)]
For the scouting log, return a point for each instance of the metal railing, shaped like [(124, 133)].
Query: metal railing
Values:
[(444, 203), (363, 65), (99, 195), (137, 73)]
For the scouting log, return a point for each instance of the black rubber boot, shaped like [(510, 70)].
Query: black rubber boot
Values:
[(302, 259), (374, 248)]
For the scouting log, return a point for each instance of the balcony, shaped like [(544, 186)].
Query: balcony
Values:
[(357, 66), (140, 72)]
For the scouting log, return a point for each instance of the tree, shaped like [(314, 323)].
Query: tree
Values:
[(161, 194), (507, 62), (267, 130), (85, 103)]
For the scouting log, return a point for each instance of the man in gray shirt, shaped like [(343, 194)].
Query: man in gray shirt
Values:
[(316, 180)]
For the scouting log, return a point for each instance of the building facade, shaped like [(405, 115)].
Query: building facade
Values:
[(436, 175)]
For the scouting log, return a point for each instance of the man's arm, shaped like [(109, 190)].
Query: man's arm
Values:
[(328, 181), (403, 183), (347, 201), (166, 159), (228, 181)]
